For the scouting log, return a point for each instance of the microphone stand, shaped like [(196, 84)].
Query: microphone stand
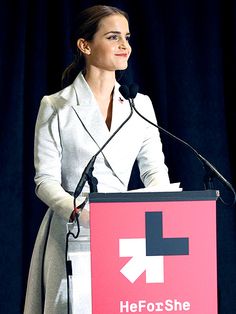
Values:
[(210, 170), (87, 174)]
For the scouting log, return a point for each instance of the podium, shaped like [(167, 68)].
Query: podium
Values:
[(153, 252)]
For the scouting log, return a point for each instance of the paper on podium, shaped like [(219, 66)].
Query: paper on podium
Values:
[(172, 187)]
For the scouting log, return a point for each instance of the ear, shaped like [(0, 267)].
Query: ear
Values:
[(83, 46)]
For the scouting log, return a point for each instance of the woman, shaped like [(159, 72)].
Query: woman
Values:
[(71, 127)]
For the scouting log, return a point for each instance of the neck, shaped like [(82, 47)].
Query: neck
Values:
[(101, 82), (102, 85)]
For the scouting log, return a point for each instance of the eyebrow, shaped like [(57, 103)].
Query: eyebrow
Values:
[(115, 32)]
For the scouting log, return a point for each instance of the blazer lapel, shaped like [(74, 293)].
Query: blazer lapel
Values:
[(88, 112), (120, 109), (83, 102), (120, 112)]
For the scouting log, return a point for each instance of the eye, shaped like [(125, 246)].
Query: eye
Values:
[(127, 37), (113, 37)]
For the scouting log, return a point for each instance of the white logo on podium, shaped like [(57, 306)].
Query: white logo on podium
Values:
[(140, 263)]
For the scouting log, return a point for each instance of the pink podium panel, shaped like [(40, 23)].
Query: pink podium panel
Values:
[(153, 252)]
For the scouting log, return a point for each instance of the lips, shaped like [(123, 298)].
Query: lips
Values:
[(124, 55)]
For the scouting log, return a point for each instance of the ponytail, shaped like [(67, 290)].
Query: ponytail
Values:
[(70, 73)]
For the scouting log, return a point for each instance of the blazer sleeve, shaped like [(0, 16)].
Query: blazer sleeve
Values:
[(47, 161), (151, 160)]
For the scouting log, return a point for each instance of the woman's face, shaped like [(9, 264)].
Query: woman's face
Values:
[(110, 49)]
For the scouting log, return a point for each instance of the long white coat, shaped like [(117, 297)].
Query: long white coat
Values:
[(69, 131)]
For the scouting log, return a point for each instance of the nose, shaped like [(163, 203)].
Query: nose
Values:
[(124, 44)]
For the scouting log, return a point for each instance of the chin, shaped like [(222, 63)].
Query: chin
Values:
[(123, 67)]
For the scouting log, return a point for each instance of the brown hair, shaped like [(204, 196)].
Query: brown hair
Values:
[(85, 26)]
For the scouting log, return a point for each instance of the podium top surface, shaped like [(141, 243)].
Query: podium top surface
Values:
[(204, 195)]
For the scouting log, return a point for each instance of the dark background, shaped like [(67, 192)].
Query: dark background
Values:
[(183, 58)]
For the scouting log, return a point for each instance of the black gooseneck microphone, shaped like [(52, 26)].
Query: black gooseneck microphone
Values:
[(129, 93), (87, 173)]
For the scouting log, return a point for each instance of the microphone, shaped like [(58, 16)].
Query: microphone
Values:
[(87, 173), (130, 92)]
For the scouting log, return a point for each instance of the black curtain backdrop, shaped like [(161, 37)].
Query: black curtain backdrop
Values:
[(183, 58)]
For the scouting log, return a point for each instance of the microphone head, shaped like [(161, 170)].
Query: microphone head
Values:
[(129, 91), (133, 90), (124, 90)]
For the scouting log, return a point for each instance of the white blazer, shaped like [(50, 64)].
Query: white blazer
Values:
[(70, 130)]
